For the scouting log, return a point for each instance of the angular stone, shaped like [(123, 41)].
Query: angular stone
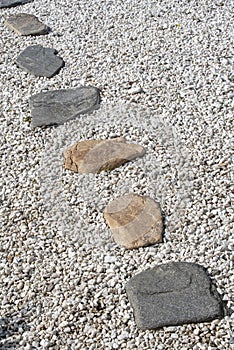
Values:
[(12, 3), (25, 24), (40, 61), (58, 106), (94, 156), (135, 221), (173, 294)]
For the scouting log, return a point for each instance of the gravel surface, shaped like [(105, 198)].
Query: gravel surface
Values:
[(165, 70)]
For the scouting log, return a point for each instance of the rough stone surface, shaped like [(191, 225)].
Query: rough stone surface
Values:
[(173, 294), (25, 24), (12, 3), (58, 106), (94, 156), (135, 221), (40, 61)]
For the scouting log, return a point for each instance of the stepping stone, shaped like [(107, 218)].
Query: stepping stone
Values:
[(40, 61), (173, 294), (94, 156), (25, 24), (12, 3), (135, 221), (59, 106)]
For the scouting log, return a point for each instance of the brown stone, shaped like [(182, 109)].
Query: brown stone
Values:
[(94, 156), (25, 24), (135, 221)]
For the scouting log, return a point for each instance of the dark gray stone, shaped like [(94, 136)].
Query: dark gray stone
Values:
[(40, 61), (173, 294), (12, 3), (59, 106), (25, 24)]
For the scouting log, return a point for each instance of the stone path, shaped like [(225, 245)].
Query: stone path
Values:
[(170, 294)]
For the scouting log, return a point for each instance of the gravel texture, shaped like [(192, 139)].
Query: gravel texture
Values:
[(165, 70)]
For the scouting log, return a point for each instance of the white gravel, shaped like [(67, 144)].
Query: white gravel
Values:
[(165, 70)]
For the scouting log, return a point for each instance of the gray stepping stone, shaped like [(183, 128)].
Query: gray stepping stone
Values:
[(25, 24), (173, 294), (40, 61), (12, 3), (58, 106)]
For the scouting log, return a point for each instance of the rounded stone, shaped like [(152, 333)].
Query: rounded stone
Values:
[(135, 221)]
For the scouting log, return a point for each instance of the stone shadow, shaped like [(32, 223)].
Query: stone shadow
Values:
[(8, 328)]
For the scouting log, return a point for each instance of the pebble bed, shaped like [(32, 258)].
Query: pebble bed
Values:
[(165, 71)]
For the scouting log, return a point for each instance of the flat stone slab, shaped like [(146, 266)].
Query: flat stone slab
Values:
[(25, 24), (94, 156), (40, 61), (59, 106), (173, 294), (135, 221), (12, 3)]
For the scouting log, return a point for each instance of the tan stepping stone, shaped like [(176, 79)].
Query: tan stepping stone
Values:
[(135, 221), (94, 156), (25, 24)]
